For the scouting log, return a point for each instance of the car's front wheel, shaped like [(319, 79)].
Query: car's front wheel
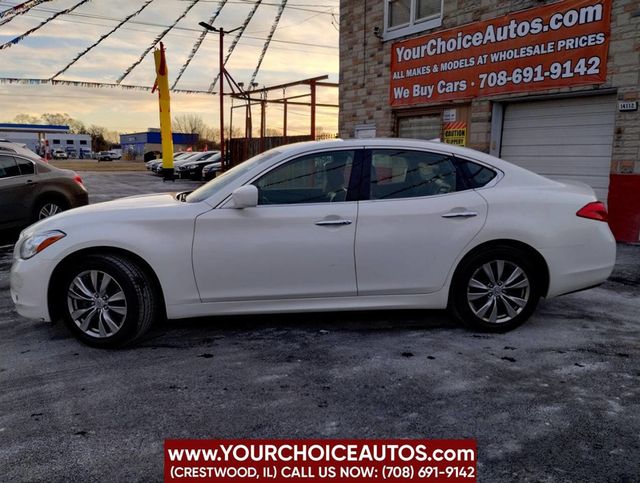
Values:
[(495, 290), (107, 301)]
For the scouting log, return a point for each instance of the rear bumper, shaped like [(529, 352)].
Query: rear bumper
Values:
[(80, 198), (581, 266)]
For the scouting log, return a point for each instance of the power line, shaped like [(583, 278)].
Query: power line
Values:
[(156, 40), (95, 44), (268, 41), (198, 43)]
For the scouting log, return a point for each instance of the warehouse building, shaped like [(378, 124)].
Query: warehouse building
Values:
[(146, 145), (39, 137), (550, 86)]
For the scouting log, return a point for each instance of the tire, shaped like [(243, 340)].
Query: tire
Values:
[(495, 290), (48, 207), (107, 312)]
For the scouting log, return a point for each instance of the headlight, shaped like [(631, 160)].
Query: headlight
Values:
[(36, 243), (193, 166)]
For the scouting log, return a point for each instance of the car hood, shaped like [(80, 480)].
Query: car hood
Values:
[(130, 209)]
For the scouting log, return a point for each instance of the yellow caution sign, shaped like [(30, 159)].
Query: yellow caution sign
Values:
[(162, 84), (455, 133)]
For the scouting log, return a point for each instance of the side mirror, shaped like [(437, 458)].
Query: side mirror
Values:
[(245, 196)]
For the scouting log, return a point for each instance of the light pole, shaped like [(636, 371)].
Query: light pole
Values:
[(221, 31)]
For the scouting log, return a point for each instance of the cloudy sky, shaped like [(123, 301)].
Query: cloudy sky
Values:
[(304, 45)]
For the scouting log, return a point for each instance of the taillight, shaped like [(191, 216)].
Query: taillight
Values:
[(78, 179), (594, 211)]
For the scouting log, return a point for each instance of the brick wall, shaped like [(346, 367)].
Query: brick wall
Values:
[(365, 64)]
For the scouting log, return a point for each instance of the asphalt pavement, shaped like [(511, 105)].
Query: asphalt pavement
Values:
[(555, 400)]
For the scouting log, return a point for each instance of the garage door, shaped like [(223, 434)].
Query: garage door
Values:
[(562, 139)]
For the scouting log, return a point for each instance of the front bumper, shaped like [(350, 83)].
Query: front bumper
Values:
[(29, 287)]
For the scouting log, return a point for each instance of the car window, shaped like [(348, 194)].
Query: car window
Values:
[(476, 175), (397, 173), (228, 177), (26, 167), (8, 167), (315, 178)]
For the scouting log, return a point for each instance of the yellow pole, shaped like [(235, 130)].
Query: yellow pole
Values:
[(162, 84)]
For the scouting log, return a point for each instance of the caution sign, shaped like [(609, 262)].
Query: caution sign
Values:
[(455, 133)]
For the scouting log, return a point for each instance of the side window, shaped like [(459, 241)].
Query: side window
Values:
[(26, 166), (8, 167), (316, 178), (476, 175), (411, 174)]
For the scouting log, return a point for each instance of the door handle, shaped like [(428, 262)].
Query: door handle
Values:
[(460, 214), (31, 183), (333, 222)]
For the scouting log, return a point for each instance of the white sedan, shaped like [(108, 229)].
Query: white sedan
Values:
[(336, 225)]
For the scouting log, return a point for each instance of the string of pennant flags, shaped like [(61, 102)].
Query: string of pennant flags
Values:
[(10, 13), (54, 82), (196, 46), (97, 42), (274, 26), (156, 40), (20, 9), (236, 40), (20, 38)]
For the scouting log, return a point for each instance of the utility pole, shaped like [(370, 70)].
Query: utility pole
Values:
[(223, 72)]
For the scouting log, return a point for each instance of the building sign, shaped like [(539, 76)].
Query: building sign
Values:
[(455, 133), (624, 106), (561, 44)]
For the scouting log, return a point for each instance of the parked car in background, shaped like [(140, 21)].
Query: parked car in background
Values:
[(157, 166), (333, 225), (17, 148), (31, 190), (72, 153), (210, 171), (108, 156), (59, 154), (192, 167), (177, 155)]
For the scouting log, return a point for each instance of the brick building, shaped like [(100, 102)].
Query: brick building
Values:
[(551, 86)]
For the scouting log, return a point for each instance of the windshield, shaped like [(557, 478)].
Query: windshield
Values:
[(228, 177)]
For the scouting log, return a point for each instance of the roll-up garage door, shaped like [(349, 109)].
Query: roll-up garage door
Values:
[(562, 138)]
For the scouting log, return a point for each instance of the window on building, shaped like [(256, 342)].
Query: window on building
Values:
[(406, 17), (56, 141), (70, 141), (83, 142)]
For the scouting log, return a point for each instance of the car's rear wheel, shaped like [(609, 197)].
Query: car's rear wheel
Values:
[(107, 301), (495, 290), (48, 207)]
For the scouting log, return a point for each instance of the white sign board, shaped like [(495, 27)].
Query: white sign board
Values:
[(365, 131)]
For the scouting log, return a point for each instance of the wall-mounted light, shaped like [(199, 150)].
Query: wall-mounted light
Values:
[(376, 33)]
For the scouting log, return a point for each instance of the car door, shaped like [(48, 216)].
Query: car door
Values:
[(297, 243), (416, 217), (15, 190)]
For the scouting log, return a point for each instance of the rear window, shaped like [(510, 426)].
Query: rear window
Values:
[(475, 175)]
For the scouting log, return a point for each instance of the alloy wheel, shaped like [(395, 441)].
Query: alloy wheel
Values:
[(48, 210), (97, 303), (498, 291)]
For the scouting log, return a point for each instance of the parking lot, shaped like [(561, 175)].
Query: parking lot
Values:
[(555, 400)]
